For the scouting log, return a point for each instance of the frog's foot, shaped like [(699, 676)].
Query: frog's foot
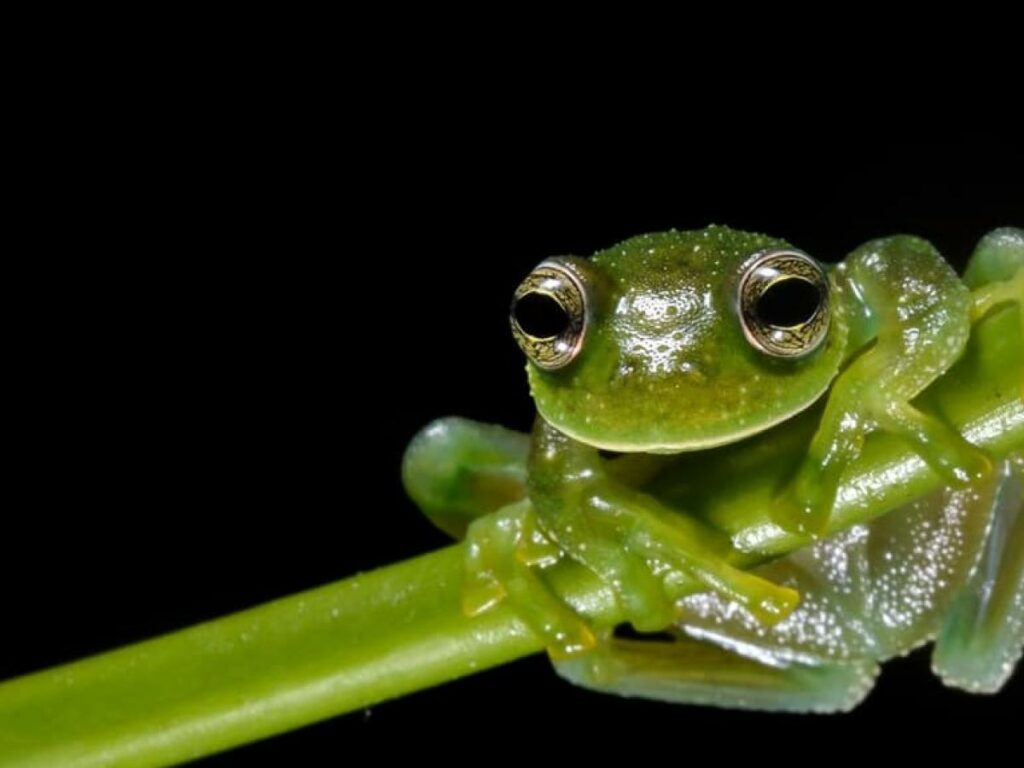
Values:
[(503, 550)]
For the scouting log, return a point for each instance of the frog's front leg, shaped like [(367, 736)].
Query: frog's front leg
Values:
[(909, 319), (641, 548)]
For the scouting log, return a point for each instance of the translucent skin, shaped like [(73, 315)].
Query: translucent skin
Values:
[(664, 367)]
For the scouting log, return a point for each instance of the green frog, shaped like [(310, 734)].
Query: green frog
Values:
[(669, 348)]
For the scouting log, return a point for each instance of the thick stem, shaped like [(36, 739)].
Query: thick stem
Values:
[(269, 669), (398, 629)]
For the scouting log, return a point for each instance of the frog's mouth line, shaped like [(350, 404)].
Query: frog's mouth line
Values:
[(684, 446)]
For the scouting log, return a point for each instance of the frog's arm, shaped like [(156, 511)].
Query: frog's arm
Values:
[(482, 466), (909, 318), (630, 539)]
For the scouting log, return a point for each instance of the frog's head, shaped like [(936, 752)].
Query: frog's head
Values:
[(678, 341)]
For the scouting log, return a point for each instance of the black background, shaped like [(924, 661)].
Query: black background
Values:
[(236, 325)]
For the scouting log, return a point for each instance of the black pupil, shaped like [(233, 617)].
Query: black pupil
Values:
[(541, 316), (788, 303)]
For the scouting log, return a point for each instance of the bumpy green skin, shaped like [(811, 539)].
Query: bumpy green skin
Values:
[(665, 367)]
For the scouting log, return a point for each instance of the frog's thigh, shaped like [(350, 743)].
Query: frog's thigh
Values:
[(982, 636), (457, 470), (691, 672)]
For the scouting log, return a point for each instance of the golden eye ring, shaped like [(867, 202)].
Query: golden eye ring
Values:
[(784, 303), (549, 315)]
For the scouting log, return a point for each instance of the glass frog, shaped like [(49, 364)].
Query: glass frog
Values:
[(649, 364)]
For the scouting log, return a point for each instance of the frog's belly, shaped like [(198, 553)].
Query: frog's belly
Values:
[(879, 589)]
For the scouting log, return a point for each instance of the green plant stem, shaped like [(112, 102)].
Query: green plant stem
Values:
[(399, 629), (261, 671)]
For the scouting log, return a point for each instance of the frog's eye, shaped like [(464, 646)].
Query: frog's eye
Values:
[(783, 302), (549, 313)]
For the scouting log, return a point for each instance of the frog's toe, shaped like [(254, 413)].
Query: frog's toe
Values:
[(480, 593), (767, 601), (677, 566), (643, 596)]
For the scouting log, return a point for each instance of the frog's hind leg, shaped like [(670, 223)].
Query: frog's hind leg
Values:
[(457, 470), (982, 636), (693, 672)]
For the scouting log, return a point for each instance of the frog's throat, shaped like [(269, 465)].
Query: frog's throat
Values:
[(681, 446)]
